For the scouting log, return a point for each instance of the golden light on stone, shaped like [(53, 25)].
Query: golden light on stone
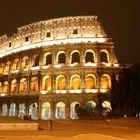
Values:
[(55, 65)]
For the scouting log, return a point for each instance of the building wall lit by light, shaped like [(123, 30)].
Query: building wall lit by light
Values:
[(49, 67)]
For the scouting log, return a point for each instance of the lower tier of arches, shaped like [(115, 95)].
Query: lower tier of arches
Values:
[(45, 108)]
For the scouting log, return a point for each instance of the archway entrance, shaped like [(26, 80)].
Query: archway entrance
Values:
[(12, 110), (45, 111), (33, 111), (21, 112), (60, 110), (73, 108), (4, 110)]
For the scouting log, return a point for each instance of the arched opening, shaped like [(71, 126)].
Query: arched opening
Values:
[(1, 68), (45, 111), (60, 82), (105, 81), (34, 84), (7, 67), (104, 57), (33, 111), (75, 82), (89, 56), (22, 110), (16, 64), (4, 110), (46, 83), (90, 82), (60, 110), (12, 109), (61, 57), (73, 109), (106, 107), (25, 62), (5, 87), (90, 106), (75, 57), (48, 59), (35, 61), (13, 85), (23, 85)]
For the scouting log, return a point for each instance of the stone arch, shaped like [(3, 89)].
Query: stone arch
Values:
[(33, 111), (5, 87), (35, 60), (104, 56), (12, 109), (75, 82), (60, 82), (4, 110), (45, 111), (89, 56), (13, 85), (34, 84), (106, 107), (46, 83), (60, 110), (48, 58), (1, 68), (90, 81), (75, 56), (90, 106), (105, 81), (23, 85), (25, 62), (7, 66), (22, 110), (16, 64), (74, 106), (61, 57)]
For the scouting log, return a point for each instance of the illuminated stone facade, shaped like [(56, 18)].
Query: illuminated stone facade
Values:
[(49, 68)]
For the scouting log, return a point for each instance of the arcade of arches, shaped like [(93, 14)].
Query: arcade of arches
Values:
[(47, 111)]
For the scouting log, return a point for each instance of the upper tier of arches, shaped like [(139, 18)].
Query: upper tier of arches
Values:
[(75, 57)]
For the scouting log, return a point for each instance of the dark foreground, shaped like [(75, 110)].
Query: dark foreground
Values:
[(77, 130)]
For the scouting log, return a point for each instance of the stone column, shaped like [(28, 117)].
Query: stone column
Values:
[(17, 110), (67, 111), (52, 110)]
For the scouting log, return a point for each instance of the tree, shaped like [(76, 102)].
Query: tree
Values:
[(125, 94)]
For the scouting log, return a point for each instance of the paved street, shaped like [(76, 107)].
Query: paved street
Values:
[(76, 130)]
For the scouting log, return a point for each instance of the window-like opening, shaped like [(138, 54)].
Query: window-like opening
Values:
[(75, 82), (26, 38), (62, 58), (75, 31), (60, 83), (90, 82), (10, 44), (75, 57), (89, 57), (34, 84), (103, 57), (49, 59), (46, 83), (105, 82), (23, 85), (48, 34), (36, 61)]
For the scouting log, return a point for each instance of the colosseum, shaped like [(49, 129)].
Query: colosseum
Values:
[(51, 67)]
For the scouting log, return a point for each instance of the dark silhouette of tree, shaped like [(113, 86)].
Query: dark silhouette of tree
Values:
[(125, 94)]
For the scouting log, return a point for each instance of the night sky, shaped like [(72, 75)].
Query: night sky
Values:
[(120, 19)]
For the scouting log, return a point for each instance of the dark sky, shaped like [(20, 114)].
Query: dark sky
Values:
[(120, 18)]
